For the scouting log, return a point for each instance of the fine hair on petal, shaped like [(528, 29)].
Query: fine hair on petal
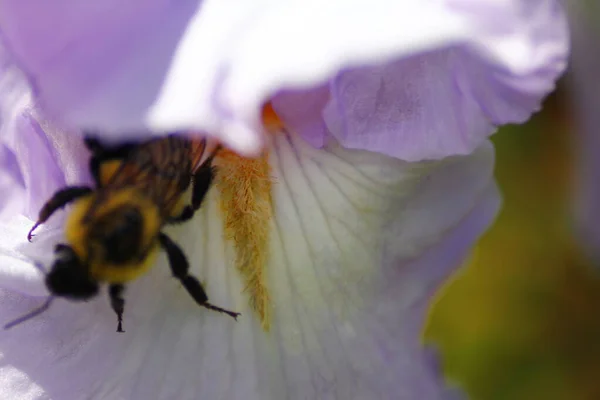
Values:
[(246, 202)]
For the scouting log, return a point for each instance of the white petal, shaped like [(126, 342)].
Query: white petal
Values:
[(17, 256), (15, 97), (360, 241)]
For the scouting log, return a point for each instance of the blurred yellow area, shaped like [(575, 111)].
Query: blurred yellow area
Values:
[(522, 319)]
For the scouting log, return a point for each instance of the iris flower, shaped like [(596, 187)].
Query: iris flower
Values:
[(357, 176)]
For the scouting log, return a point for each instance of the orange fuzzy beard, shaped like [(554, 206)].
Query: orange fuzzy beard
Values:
[(245, 186)]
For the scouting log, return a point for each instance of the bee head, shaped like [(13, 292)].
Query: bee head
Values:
[(69, 277)]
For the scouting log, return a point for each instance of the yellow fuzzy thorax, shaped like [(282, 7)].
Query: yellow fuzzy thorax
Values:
[(245, 186), (77, 234)]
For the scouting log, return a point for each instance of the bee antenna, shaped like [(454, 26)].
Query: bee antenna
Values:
[(30, 314)]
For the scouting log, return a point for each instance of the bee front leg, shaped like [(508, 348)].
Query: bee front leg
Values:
[(59, 200), (117, 302), (180, 268)]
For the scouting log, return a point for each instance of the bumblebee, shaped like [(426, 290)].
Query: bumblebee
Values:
[(114, 230)]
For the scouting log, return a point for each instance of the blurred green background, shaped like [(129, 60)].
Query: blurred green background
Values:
[(521, 320)]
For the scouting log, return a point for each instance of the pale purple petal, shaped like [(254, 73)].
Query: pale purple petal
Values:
[(460, 67), (11, 184), (446, 101), (584, 79), (350, 298), (45, 162), (101, 66), (36, 158), (14, 95)]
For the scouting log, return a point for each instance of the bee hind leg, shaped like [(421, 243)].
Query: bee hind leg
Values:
[(180, 268), (117, 302)]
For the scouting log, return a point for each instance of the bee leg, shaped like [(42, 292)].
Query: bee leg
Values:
[(201, 184), (203, 179), (117, 302), (180, 268), (59, 200), (187, 214)]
